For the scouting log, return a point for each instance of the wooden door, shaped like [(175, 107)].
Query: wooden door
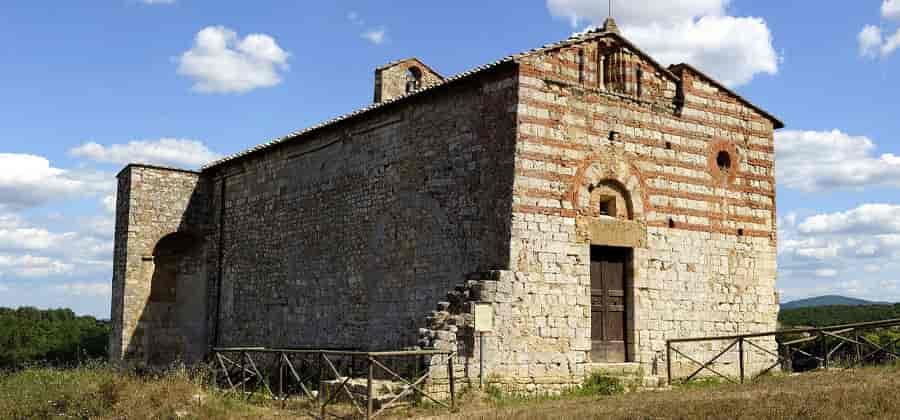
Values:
[(609, 304)]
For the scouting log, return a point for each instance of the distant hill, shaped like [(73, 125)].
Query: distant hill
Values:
[(828, 301)]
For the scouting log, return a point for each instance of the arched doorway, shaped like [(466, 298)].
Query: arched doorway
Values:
[(175, 315)]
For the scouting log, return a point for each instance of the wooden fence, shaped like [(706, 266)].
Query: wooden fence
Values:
[(285, 373)]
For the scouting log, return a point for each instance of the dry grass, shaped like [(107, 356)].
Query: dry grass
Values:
[(103, 393), (852, 394)]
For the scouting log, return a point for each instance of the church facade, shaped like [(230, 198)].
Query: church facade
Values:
[(597, 202)]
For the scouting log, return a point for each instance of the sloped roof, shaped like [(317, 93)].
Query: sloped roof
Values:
[(714, 82), (588, 35)]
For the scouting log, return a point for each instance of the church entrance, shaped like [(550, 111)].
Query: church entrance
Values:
[(609, 304)]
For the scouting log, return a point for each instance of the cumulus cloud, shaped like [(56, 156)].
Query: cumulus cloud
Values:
[(165, 151), (92, 244), (818, 160), (859, 247), (890, 9), (30, 266), (699, 32), (85, 289), (375, 36), (872, 44), (222, 62), (891, 44), (865, 219), (30, 180), (870, 41)]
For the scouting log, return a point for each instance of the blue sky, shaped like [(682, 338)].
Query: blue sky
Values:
[(89, 85)]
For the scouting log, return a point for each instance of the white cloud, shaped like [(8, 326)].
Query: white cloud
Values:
[(221, 62), (865, 219), (108, 203), (698, 32), (870, 41), (873, 45), (355, 18), (637, 12), (92, 243), (890, 9), (375, 36), (859, 246), (891, 44), (85, 289), (30, 180), (165, 151), (158, 1), (826, 272), (30, 266), (818, 160)]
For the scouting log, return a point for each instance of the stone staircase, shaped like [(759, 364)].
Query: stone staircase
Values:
[(455, 314)]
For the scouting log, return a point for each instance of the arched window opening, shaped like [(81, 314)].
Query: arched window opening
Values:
[(413, 79), (609, 198)]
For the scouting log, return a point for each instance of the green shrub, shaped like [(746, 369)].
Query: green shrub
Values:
[(600, 384)]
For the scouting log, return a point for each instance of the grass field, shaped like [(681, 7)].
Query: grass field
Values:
[(99, 392)]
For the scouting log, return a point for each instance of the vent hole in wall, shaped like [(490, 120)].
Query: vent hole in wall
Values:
[(723, 160), (671, 222), (613, 135)]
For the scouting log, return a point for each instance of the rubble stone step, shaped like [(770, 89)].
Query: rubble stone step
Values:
[(383, 391), (616, 369)]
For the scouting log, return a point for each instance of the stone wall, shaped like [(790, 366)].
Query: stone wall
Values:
[(703, 236), (158, 321), (347, 237)]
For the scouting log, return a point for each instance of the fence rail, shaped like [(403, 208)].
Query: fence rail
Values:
[(830, 340), (249, 370)]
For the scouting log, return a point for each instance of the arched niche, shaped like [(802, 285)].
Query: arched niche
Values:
[(608, 197), (174, 319)]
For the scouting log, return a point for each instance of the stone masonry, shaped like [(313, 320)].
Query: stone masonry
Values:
[(381, 229)]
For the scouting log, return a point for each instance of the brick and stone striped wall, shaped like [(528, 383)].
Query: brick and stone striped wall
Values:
[(704, 258)]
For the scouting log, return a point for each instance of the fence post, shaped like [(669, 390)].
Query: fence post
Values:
[(243, 373), (369, 396), (321, 395), (668, 363), (281, 395), (452, 384), (823, 347), (741, 355)]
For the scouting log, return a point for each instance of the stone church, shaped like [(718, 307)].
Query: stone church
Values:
[(598, 201)]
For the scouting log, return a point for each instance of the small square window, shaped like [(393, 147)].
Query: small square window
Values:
[(608, 206)]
